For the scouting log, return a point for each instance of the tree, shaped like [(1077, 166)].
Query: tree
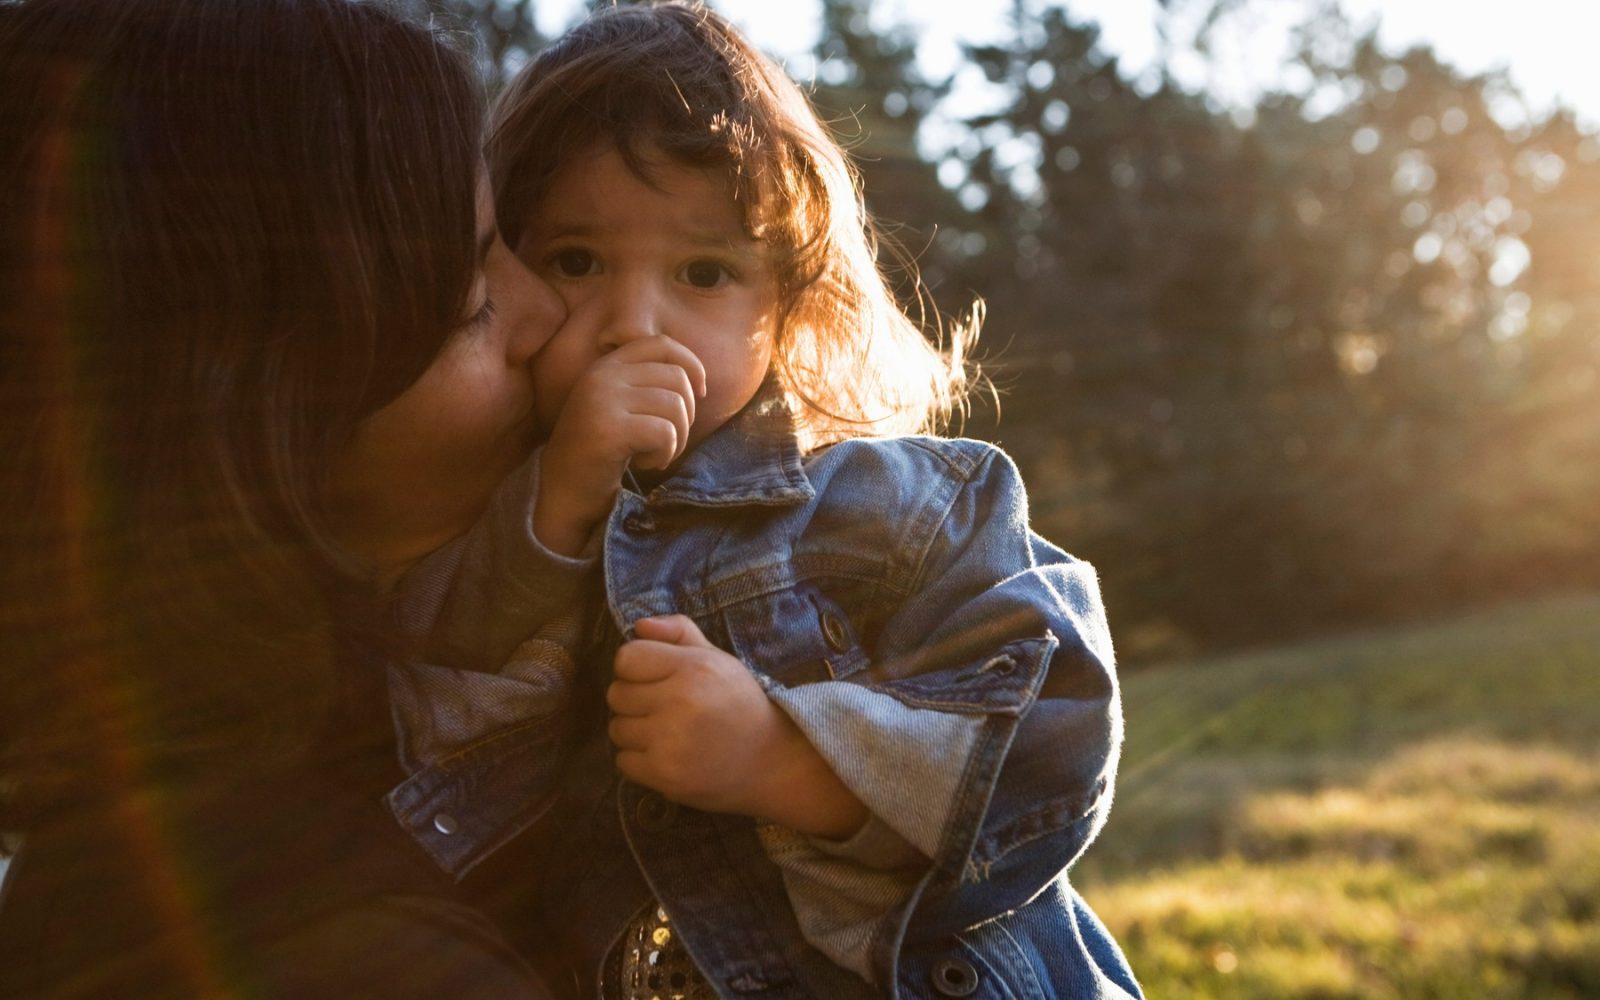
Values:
[(505, 33), (1256, 363), (872, 95)]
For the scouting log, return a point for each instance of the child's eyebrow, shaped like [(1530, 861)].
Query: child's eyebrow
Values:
[(731, 240), (739, 243), (567, 230)]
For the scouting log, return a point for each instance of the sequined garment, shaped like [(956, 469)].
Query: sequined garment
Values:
[(650, 963)]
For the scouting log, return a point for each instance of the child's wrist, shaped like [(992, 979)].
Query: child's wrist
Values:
[(563, 535), (802, 792), (564, 514)]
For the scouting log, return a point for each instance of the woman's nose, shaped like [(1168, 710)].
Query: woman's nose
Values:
[(540, 313)]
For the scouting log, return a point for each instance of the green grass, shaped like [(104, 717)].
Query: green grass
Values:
[(1402, 814)]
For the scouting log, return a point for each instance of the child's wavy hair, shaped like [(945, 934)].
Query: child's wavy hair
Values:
[(678, 79)]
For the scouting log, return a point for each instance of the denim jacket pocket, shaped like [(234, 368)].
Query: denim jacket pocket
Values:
[(796, 635), (1003, 681)]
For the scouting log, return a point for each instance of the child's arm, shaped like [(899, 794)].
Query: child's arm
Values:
[(691, 722), (634, 405), (992, 692)]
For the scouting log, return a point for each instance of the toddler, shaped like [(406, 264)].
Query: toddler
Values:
[(841, 721)]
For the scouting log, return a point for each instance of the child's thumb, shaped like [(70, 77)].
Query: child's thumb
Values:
[(679, 630)]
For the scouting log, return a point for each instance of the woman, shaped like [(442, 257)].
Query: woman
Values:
[(260, 349)]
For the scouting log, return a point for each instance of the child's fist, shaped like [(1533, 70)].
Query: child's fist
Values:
[(691, 722), (633, 405)]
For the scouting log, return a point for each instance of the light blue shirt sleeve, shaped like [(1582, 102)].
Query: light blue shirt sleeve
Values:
[(905, 765)]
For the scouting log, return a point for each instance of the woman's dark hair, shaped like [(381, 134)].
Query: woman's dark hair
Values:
[(228, 231)]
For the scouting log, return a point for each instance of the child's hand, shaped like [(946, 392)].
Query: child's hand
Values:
[(633, 405), (691, 722)]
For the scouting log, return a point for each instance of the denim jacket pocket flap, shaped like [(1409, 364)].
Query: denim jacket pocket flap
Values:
[(1004, 681), (796, 635)]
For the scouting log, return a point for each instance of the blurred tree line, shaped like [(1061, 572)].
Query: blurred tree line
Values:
[(1325, 362)]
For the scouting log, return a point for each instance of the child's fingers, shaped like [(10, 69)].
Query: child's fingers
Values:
[(647, 415), (696, 371), (676, 630), (661, 375), (613, 374), (662, 404), (664, 349), (635, 699), (642, 661), (628, 732), (653, 442), (655, 388)]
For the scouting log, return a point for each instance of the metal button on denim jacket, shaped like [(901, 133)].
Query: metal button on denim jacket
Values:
[(954, 669)]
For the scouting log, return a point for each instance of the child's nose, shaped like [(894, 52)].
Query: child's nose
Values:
[(634, 313)]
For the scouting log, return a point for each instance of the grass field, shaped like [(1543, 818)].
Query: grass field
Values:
[(1400, 815), (1403, 814)]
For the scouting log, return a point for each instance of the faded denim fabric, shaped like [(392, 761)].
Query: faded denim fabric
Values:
[(484, 717), (954, 669)]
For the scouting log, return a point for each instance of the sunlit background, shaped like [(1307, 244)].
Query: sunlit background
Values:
[(1546, 46)]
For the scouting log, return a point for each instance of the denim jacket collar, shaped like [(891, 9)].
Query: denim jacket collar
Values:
[(752, 460)]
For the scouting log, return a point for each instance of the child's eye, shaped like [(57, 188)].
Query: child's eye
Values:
[(573, 263), (707, 274)]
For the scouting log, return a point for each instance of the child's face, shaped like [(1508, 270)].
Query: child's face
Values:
[(634, 260)]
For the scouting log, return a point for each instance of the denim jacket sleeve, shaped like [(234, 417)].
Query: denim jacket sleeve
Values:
[(1005, 636), (1008, 625), (505, 585), (482, 715)]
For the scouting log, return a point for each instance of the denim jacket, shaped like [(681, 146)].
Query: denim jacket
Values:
[(953, 668)]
